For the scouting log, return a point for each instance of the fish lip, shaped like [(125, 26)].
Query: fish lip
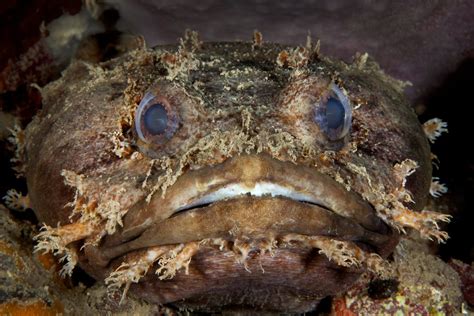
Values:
[(245, 174), (248, 171), (207, 272), (239, 190), (230, 218), (169, 220)]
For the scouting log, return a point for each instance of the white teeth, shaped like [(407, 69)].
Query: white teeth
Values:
[(259, 189)]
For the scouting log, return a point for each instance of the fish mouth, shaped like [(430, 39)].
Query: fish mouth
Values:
[(230, 213), (258, 189)]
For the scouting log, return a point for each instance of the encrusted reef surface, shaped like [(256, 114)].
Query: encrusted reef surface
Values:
[(30, 283), (423, 284)]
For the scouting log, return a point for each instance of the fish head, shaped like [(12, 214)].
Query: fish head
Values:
[(220, 176)]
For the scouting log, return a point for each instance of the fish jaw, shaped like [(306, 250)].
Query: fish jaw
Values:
[(231, 212)]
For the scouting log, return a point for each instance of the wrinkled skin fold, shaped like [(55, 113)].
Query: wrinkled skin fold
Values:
[(247, 205), (266, 216)]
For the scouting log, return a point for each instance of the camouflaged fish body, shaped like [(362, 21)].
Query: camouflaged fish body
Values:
[(228, 175)]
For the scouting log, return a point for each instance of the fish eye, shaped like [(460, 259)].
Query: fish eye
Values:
[(334, 114), (155, 120)]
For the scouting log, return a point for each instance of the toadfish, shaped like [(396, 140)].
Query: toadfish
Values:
[(217, 176)]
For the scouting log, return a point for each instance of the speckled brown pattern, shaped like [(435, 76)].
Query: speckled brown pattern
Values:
[(245, 117)]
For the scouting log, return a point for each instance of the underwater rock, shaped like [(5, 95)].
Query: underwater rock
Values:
[(30, 284), (427, 286)]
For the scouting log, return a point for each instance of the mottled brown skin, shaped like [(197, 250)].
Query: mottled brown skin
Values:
[(90, 103)]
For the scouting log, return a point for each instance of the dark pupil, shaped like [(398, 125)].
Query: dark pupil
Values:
[(334, 113), (156, 119)]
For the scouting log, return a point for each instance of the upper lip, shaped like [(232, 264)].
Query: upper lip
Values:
[(249, 172), (259, 178), (259, 189)]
